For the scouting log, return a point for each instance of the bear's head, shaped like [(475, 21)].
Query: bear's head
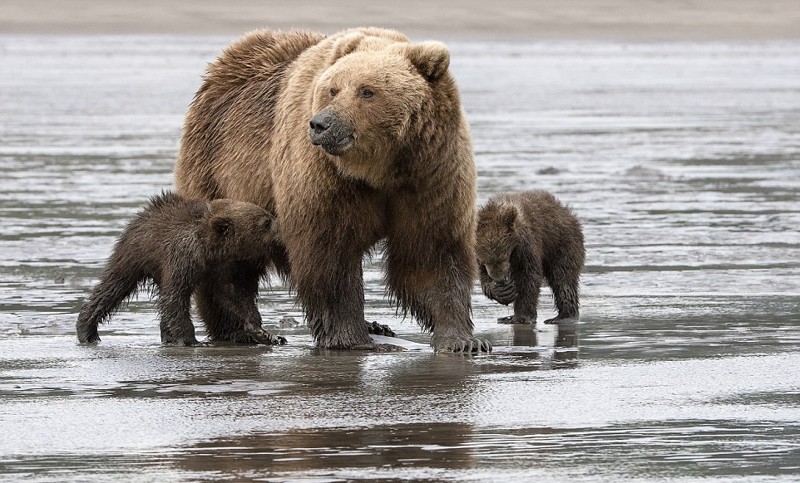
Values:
[(373, 91), (239, 230), (496, 239)]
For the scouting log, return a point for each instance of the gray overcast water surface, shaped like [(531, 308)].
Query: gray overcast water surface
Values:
[(682, 160)]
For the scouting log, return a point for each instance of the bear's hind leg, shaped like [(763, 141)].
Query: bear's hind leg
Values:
[(106, 297), (565, 296)]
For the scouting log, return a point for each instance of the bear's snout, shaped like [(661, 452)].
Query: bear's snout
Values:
[(330, 132), (321, 122), (499, 272)]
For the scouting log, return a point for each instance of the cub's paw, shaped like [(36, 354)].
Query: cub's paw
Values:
[(264, 337), (379, 329), (515, 320), (559, 320), (90, 340), (88, 335), (257, 336), (504, 292), (461, 344), (182, 342)]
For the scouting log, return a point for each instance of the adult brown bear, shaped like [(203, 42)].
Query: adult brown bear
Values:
[(350, 139)]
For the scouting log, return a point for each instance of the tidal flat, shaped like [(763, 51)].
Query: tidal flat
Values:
[(681, 159)]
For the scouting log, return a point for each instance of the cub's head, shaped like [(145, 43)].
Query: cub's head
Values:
[(239, 231), (496, 238), (373, 90)]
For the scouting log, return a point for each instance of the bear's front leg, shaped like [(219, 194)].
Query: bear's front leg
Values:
[(174, 307), (326, 236), (227, 303), (436, 289), (448, 303), (431, 263), (332, 294), (528, 285)]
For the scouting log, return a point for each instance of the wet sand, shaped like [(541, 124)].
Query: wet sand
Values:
[(648, 20), (681, 158)]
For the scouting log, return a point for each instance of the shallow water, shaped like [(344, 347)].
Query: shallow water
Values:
[(682, 160)]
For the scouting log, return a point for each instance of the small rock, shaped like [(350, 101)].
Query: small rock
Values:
[(288, 323), (549, 170)]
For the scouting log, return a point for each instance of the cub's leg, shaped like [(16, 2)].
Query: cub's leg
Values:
[(113, 289), (527, 283), (565, 295), (174, 307), (227, 303)]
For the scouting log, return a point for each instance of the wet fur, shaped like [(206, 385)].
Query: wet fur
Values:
[(409, 179), (179, 246), (542, 241)]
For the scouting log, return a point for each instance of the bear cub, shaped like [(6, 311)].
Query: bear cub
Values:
[(523, 240), (181, 245)]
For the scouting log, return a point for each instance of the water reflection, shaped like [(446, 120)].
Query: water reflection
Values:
[(566, 344), (525, 335), (436, 445)]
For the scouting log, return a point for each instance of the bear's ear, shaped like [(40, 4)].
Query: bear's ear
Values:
[(345, 45), (275, 227), (221, 225), (509, 216), (431, 59)]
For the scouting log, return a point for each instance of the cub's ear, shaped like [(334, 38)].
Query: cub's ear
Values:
[(345, 45), (222, 226), (275, 227), (432, 59), (509, 216)]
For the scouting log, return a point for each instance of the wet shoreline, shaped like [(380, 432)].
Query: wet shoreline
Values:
[(681, 159)]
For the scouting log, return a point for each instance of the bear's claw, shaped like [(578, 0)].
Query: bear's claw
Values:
[(465, 345), (266, 338), (504, 292), (257, 336)]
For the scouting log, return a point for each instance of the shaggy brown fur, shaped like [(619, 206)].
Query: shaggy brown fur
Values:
[(525, 239), (387, 156), (219, 248)]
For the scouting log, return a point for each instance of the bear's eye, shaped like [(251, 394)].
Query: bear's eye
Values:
[(366, 93), (334, 92)]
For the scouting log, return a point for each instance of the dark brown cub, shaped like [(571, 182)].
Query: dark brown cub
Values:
[(221, 247), (524, 240)]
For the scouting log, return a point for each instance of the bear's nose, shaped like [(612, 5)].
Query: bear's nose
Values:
[(321, 122)]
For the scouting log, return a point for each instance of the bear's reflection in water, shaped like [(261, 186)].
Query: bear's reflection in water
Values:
[(566, 343), (413, 409), (434, 445), (531, 343)]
